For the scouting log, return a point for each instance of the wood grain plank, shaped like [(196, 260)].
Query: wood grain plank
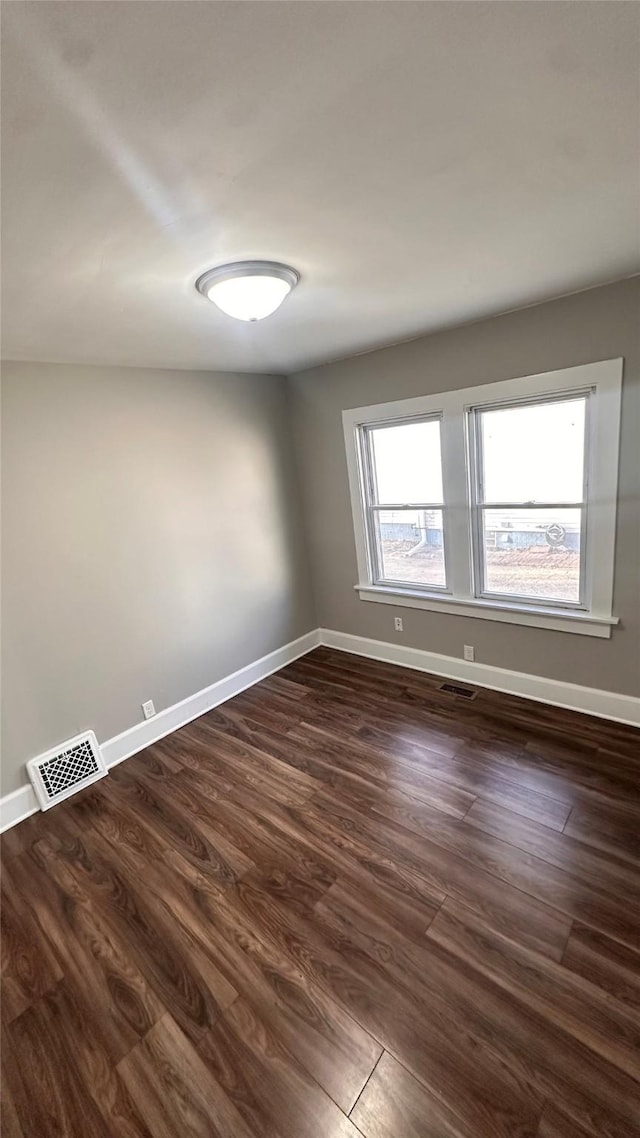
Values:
[(484, 757), (336, 1051), (481, 781), (562, 850), (556, 1124), (361, 760), (175, 1091), (50, 1094), (592, 769), (264, 1080), (420, 1032), (508, 904), (182, 828), (329, 1043), (93, 958), (9, 1122), (395, 1105), (181, 977), (491, 1015), (610, 965), (280, 686), (565, 999), (613, 827), (566, 892), (29, 966), (69, 1019), (241, 762)]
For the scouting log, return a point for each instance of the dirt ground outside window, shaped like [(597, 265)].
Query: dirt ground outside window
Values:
[(538, 571)]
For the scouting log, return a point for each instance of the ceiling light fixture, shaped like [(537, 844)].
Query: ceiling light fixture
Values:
[(248, 290)]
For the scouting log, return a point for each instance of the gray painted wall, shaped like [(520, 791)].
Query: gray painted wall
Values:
[(599, 324), (152, 543)]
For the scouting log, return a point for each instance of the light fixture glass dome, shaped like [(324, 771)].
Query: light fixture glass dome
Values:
[(248, 290)]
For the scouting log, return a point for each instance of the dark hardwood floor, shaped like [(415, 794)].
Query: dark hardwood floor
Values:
[(344, 903)]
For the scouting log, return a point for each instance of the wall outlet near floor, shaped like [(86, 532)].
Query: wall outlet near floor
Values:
[(469, 652), (148, 709), (397, 623)]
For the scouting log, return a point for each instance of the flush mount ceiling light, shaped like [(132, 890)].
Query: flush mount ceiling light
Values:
[(248, 290)]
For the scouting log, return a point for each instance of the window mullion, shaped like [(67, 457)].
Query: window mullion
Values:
[(456, 500)]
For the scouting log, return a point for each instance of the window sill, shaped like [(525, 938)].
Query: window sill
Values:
[(560, 620)]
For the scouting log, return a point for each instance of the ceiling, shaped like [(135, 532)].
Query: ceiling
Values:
[(420, 164)]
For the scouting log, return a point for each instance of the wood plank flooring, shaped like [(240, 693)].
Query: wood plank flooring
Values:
[(344, 903)]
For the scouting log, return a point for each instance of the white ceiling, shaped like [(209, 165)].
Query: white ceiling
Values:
[(421, 164)]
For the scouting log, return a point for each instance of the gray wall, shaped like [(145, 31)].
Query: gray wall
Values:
[(152, 543), (599, 324)]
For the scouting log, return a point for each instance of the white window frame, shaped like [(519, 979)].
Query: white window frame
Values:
[(457, 409)]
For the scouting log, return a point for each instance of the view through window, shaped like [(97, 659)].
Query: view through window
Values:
[(406, 518), (530, 498)]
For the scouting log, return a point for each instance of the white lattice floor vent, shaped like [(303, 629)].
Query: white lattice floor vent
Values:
[(62, 771)]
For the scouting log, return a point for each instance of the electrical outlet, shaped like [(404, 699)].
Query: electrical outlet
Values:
[(469, 652), (148, 709), (397, 623)]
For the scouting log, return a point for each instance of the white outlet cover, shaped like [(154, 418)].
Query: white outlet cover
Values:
[(469, 652), (397, 624), (148, 709)]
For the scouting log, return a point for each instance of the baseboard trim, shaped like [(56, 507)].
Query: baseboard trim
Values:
[(21, 803), (136, 738), (17, 806), (573, 697)]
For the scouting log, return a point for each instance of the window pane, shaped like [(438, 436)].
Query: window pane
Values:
[(532, 553), (534, 453), (410, 545), (406, 461)]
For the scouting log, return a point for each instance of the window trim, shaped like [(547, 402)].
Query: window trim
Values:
[(603, 380)]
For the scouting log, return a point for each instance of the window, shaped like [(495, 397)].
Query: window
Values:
[(404, 502), (529, 499), (497, 501)]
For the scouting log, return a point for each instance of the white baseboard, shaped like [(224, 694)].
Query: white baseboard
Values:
[(21, 803), (574, 697), (150, 730), (592, 701), (17, 806)]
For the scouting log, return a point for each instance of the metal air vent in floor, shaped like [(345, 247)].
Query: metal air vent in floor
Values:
[(458, 689)]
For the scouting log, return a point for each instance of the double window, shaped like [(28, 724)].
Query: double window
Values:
[(496, 501)]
